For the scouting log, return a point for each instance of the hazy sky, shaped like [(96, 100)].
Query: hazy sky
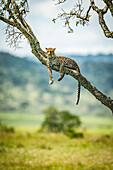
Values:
[(84, 40)]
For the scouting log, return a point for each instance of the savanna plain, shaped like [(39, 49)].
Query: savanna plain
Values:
[(23, 147)]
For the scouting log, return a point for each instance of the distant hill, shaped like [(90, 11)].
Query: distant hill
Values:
[(105, 58), (24, 86)]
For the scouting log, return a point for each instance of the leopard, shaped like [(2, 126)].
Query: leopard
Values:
[(52, 59)]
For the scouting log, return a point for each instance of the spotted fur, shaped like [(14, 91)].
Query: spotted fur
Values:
[(62, 62)]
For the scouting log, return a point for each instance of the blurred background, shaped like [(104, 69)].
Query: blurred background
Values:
[(24, 82)]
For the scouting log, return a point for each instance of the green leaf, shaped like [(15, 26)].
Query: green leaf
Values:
[(77, 23), (67, 23), (54, 20), (70, 31), (84, 23)]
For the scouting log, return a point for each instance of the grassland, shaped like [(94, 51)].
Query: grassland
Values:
[(27, 149), (24, 151)]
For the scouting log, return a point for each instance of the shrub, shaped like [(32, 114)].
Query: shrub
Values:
[(6, 129), (59, 121), (73, 134)]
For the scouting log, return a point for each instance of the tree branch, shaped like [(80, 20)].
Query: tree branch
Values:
[(107, 32), (107, 101), (76, 13), (101, 12), (4, 19), (60, 1), (94, 6), (105, 9), (109, 3), (21, 19)]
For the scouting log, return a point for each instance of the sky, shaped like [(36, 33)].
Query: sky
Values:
[(85, 40)]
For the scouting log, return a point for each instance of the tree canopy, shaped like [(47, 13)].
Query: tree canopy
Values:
[(59, 121)]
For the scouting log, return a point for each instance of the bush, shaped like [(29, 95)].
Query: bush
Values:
[(59, 121), (6, 129), (73, 134)]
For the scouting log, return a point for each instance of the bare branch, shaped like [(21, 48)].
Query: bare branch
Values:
[(35, 46), (105, 9), (76, 13), (13, 37), (101, 12), (94, 6), (107, 32), (109, 3)]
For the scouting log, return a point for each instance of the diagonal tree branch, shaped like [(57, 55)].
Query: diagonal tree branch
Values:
[(21, 19), (107, 101)]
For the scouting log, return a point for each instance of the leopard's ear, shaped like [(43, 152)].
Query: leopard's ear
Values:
[(54, 49), (46, 49)]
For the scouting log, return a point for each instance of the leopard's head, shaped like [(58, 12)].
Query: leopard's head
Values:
[(50, 51)]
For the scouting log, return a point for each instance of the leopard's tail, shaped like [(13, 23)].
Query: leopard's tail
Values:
[(78, 94)]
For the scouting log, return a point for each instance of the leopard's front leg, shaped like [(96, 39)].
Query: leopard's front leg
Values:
[(50, 72), (61, 71)]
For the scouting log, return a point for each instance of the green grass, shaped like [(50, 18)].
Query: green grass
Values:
[(27, 149), (40, 151)]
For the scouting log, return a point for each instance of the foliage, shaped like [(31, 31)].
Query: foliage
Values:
[(6, 129), (59, 121), (73, 134)]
